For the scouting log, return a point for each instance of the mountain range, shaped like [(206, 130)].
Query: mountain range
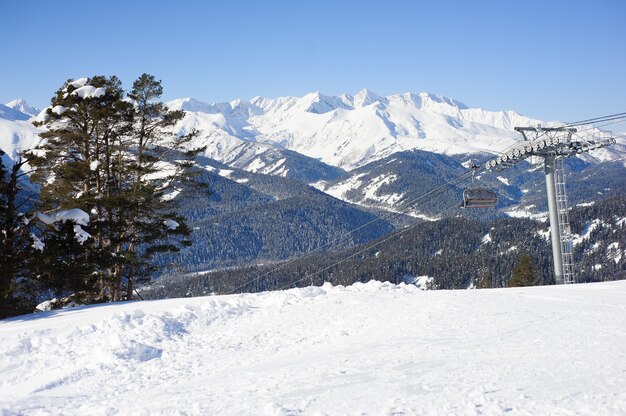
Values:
[(349, 131), (290, 174)]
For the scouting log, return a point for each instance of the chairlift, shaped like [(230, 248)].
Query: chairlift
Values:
[(478, 197)]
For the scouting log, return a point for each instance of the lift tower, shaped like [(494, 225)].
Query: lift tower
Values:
[(553, 144)]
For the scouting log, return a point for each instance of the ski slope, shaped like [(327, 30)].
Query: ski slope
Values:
[(367, 349)]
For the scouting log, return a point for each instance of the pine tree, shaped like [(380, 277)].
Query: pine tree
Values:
[(15, 242), (161, 167), (84, 127), (524, 273), (119, 160)]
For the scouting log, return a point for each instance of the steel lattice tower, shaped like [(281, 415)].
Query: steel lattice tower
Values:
[(553, 144)]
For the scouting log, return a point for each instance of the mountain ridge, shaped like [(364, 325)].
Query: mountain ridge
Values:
[(349, 131), (22, 106)]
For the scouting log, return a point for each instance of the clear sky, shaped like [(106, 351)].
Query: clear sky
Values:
[(553, 60)]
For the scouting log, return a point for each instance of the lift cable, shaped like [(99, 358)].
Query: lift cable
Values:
[(420, 200), (361, 251), (595, 120), (615, 121), (416, 202)]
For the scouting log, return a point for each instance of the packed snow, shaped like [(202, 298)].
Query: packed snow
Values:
[(339, 190), (75, 215), (37, 243), (80, 235), (590, 227), (367, 349), (225, 172), (80, 82), (527, 213), (614, 253), (89, 91), (503, 180), (16, 136), (371, 190), (58, 109)]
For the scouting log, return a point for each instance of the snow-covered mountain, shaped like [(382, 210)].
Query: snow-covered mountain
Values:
[(349, 131), (327, 132), (11, 114), (16, 131), (316, 138), (16, 135), (23, 107)]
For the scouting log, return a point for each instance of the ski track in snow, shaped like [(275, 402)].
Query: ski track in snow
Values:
[(371, 349)]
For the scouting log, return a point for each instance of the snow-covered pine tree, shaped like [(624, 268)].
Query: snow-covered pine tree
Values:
[(115, 159), (75, 167), (162, 165)]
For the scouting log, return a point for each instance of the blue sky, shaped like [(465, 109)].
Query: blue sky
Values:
[(546, 59)]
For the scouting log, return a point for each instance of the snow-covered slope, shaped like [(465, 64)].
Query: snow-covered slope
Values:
[(371, 349), (17, 135), (9, 113), (349, 131), (16, 131)]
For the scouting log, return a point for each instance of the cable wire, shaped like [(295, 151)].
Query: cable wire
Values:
[(594, 120), (369, 247), (416, 202)]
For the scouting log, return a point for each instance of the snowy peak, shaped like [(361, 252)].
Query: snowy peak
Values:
[(367, 97), (432, 100), (22, 106), (427, 101), (191, 104), (12, 114), (348, 131), (318, 103), (235, 109)]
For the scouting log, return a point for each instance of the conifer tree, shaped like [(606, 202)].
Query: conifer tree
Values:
[(76, 168), (524, 273), (15, 241), (161, 167), (120, 161)]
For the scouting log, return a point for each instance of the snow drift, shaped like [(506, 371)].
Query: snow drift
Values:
[(372, 348)]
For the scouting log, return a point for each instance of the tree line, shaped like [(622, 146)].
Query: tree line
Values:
[(85, 211)]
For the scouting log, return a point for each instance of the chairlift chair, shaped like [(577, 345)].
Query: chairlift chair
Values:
[(478, 197)]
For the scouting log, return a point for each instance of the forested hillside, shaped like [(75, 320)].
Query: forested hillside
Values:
[(453, 253)]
